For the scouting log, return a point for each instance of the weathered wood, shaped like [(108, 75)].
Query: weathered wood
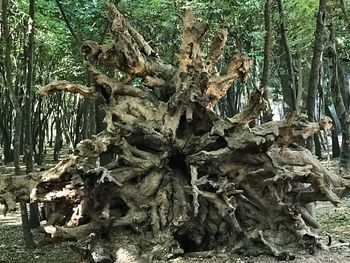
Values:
[(218, 85), (184, 179), (66, 87)]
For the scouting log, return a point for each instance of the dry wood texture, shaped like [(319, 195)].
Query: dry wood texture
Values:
[(184, 179)]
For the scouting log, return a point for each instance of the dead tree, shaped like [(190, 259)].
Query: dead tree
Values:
[(184, 179)]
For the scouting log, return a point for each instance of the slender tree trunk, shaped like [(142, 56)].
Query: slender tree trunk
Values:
[(39, 133), (289, 60), (21, 141), (267, 116), (51, 132), (299, 83), (27, 234), (78, 133), (41, 141), (21, 93), (267, 48), (318, 137), (58, 138), (6, 139), (318, 145), (29, 94), (231, 103), (34, 220), (335, 141), (316, 64)]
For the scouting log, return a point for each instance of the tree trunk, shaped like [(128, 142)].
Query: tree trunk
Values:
[(39, 134), (318, 146), (335, 141), (34, 220), (29, 93), (185, 179), (58, 139), (267, 54), (58, 136), (51, 134), (78, 124), (27, 234), (288, 56), (316, 64), (299, 83), (6, 137)]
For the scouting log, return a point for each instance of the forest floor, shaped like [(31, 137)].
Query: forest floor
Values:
[(334, 221)]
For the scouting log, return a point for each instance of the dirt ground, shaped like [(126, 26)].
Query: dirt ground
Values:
[(335, 221)]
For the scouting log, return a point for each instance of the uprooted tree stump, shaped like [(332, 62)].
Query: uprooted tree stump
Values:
[(184, 179)]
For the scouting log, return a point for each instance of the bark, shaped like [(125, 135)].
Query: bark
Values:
[(288, 55), (299, 83), (185, 179), (267, 54), (34, 221), (58, 139), (29, 94), (6, 132), (267, 48), (27, 234), (6, 125), (316, 63), (58, 136), (50, 134), (318, 145), (335, 141)]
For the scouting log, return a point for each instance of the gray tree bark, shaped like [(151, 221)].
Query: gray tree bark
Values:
[(28, 145), (316, 64)]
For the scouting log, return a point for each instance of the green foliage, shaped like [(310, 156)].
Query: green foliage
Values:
[(57, 53), (300, 21)]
